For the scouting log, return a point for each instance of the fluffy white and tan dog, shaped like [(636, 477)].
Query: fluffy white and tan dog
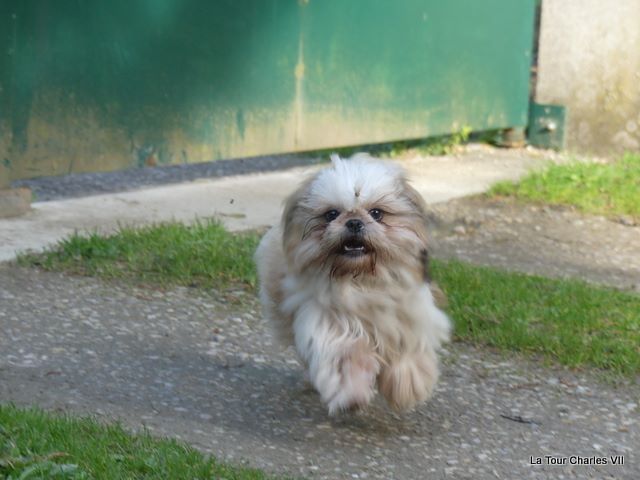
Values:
[(344, 278)]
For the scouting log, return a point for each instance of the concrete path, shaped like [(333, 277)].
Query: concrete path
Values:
[(247, 201)]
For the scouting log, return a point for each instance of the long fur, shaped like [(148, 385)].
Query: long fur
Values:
[(360, 323)]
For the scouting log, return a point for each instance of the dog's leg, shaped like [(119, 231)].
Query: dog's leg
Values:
[(358, 369), (342, 368), (409, 380)]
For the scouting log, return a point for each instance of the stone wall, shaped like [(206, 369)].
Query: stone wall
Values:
[(589, 61)]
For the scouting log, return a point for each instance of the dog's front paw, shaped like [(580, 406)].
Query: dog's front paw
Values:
[(357, 371), (409, 380)]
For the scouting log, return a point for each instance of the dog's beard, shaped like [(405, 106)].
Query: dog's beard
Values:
[(354, 255)]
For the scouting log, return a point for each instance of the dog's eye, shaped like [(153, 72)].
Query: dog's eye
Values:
[(331, 215), (376, 214)]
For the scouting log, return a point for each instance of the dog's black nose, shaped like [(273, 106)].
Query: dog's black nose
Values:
[(354, 225)]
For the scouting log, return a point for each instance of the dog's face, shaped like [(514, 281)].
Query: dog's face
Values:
[(353, 218)]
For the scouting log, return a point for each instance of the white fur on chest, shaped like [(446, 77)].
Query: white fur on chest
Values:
[(392, 315)]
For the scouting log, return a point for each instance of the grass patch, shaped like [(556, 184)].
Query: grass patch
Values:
[(35, 445), (443, 145), (570, 322), (606, 189), (202, 254)]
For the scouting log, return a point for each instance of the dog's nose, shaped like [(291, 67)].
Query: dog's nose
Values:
[(354, 225)]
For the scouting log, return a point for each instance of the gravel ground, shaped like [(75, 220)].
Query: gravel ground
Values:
[(201, 366), (542, 240), (82, 184)]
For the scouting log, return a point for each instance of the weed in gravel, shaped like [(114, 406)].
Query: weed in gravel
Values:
[(431, 146)]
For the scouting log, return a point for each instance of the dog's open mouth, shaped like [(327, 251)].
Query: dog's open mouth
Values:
[(354, 247)]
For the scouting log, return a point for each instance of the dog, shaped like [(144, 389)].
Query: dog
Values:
[(344, 278)]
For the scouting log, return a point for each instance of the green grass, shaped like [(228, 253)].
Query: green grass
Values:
[(443, 145), (203, 254), (564, 321), (569, 322), (601, 188), (37, 445)]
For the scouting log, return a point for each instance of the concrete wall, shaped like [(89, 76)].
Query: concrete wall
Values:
[(589, 61)]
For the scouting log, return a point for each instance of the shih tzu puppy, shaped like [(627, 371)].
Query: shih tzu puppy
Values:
[(345, 279)]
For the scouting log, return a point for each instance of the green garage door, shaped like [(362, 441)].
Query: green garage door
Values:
[(93, 85)]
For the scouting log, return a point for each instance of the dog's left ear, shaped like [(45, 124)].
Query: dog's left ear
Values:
[(419, 208), (414, 197)]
